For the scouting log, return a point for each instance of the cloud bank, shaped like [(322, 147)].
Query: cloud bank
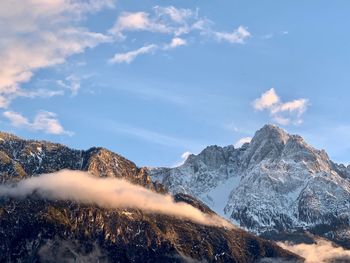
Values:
[(107, 192), (321, 252), (40, 34), (283, 113)]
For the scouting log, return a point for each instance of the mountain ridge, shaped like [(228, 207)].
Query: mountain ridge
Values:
[(273, 184), (35, 229)]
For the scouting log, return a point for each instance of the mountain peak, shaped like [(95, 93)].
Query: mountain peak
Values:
[(270, 131), (267, 143), (277, 182)]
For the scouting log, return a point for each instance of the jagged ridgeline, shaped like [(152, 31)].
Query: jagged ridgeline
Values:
[(277, 186), (35, 229)]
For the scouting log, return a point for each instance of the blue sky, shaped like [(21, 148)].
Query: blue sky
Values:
[(152, 80)]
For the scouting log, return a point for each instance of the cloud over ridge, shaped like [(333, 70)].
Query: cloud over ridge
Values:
[(109, 193), (284, 113)]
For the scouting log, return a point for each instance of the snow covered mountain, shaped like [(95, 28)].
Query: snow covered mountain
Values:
[(275, 184), (39, 229)]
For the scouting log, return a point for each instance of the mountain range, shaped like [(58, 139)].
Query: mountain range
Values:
[(39, 229), (276, 186)]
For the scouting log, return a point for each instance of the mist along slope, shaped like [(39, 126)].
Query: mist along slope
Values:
[(39, 230), (274, 186)]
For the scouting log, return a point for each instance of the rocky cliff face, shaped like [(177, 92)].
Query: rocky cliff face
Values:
[(275, 184), (38, 230), (21, 159)]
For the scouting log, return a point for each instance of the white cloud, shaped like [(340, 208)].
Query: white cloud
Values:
[(16, 119), (284, 120), (238, 36), (168, 20), (138, 21), (184, 157), (4, 102), (267, 100), (283, 113), (114, 193), (128, 57), (321, 252), (178, 15), (175, 42), (72, 83), (38, 34), (299, 106), (41, 93), (172, 21), (44, 121), (242, 141)]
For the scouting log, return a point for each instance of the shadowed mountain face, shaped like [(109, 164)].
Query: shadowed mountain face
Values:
[(39, 230), (276, 184)]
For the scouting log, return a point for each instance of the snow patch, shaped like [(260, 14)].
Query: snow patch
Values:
[(218, 197)]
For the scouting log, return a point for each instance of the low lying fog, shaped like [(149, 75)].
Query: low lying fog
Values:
[(321, 252)]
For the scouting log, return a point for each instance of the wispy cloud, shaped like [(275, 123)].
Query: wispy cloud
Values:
[(267, 36), (238, 36), (169, 20), (40, 34), (175, 42), (172, 21), (276, 34), (130, 56), (283, 113), (138, 21), (71, 83), (153, 136), (178, 15), (44, 121), (39, 93)]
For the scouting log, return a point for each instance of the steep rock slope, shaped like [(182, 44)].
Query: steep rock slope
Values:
[(274, 184), (38, 230)]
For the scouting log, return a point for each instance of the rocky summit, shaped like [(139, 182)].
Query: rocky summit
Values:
[(276, 185), (35, 229)]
